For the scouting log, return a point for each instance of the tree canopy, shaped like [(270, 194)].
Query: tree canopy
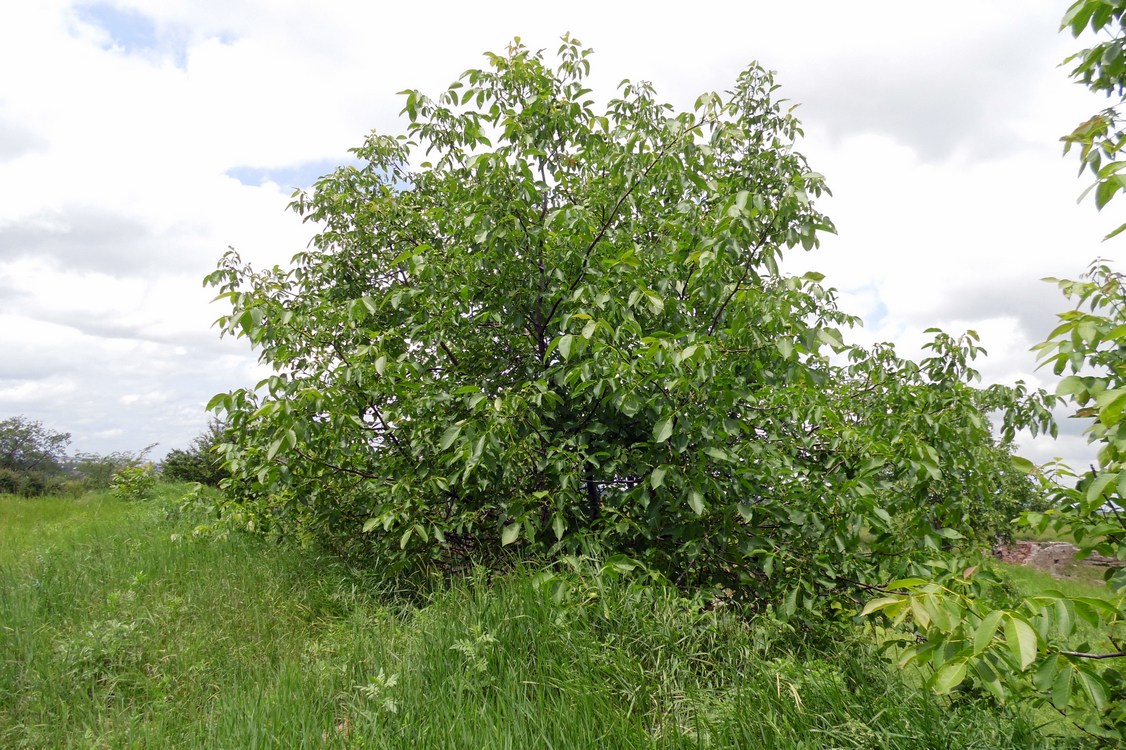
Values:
[(199, 462), (30, 456), (536, 325)]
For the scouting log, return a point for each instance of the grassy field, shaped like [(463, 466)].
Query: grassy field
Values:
[(119, 629)]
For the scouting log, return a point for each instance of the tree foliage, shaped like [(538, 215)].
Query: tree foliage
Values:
[(1102, 69), (96, 471), (200, 462), (1053, 649), (31, 457), (566, 330), (134, 482)]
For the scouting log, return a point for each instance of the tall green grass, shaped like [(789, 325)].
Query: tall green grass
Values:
[(119, 629)]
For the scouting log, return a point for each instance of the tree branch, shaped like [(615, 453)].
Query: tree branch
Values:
[(334, 467), (1084, 655), (603, 229), (446, 349), (738, 285)]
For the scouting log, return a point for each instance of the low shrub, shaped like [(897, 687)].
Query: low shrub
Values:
[(134, 482)]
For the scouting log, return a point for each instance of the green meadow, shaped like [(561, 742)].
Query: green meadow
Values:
[(119, 628)]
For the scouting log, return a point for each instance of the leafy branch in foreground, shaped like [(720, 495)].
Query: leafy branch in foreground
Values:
[(1052, 649), (1037, 651), (1101, 68)]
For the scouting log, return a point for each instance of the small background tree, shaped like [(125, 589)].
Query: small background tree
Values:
[(31, 457), (201, 461)]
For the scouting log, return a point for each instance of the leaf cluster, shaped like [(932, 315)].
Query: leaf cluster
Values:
[(1039, 651), (1102, 69)]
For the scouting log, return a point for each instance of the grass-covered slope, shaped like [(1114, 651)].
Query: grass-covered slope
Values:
[(118, 628)]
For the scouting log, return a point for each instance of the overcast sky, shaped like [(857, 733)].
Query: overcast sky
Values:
[(139, 139)]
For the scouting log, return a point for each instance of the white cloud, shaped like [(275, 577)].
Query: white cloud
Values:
[(132, 156)]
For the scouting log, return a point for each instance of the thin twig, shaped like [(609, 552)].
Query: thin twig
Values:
[(1084, 655)]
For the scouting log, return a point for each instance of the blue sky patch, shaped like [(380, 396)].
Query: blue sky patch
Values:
[(128, 29), (134, 33), (290, 177), (876, 315)]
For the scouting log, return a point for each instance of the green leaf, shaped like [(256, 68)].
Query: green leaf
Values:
[(1121, 228), (940, 616), (510, 534), (1071, 385), (565, 343), (1064, 617), (370, 524), (1047, 673), (906, 583), (219, 399), (1111, 414), (983, 637), (1105, 192), (275, 446), (790, 604), (990, 680), (718, 453), (620, 564), (830, 337), (1061, 688), (1077, 16), (948, 677), (1098, 487), (948, 533), (662, 431), (908, 655), (696, 501), (657, 477), (920, 612), (1094, 687), (882, 603), (1023, 465), (449, 436), (1021, 639)]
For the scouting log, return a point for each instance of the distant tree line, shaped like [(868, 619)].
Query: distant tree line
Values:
[(34, 461)]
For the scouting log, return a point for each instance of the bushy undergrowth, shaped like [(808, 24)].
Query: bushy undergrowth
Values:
[(198, 462), (119, 628)]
